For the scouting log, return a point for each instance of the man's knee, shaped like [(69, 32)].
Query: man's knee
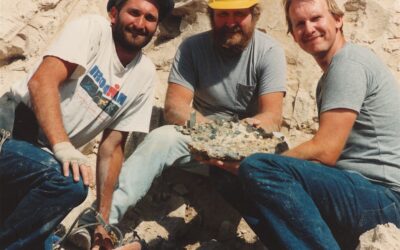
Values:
[(78, 192), (166, 136), (71, 192), (256, 163)]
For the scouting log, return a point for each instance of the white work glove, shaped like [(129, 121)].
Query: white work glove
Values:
[(69, 156)]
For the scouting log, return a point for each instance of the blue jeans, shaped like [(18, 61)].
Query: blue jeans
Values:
[(306, 205), (34, 195), (161, 148)]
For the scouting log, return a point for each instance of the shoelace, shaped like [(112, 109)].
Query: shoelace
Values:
[(4, 134)]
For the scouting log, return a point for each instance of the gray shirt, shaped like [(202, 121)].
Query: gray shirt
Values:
[(356, 79), (225, 85)]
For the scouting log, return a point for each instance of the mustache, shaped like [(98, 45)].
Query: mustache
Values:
[(138, 32), (233, 29)]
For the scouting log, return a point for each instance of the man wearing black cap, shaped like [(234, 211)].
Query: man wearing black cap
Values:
[(93, 79)]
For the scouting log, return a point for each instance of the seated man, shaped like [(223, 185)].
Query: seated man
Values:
[(326, 192), (232, 70), (94, 78)]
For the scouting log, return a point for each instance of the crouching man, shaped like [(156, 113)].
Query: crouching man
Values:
[(324, 193), (93, 79)]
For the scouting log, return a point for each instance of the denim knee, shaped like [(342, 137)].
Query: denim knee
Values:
[(165, 136), (78, 192), (72, 193), (255, 163)]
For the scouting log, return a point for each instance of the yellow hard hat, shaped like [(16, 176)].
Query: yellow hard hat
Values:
[(231, 4)]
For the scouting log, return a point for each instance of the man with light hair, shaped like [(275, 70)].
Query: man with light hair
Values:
[(324, 193), (233, 70)]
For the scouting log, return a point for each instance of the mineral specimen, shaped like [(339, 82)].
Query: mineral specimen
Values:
[(229, 140)]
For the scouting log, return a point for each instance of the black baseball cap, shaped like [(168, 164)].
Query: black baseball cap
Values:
[(165, 7)]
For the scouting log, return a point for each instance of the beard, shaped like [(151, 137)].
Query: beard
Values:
[(130, 38), (232, 40)]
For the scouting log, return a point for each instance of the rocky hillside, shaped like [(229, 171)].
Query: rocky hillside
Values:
[(180, 210), (27, 27)]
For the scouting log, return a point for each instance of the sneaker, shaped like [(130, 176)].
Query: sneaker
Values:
[(51, 241), (80, 238)]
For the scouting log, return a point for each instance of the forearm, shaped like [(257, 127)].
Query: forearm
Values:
[(312, 151), (270, 111), (45, 97), (46, 105), (178, 106), (108, 169), (269, 121), (180, 114), (328, 143)]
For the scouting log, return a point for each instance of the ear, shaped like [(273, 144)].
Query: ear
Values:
[(113, 13), (339, 22), (294, 37)]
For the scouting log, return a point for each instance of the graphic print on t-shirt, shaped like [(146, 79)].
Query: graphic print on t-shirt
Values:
[(106, 96)]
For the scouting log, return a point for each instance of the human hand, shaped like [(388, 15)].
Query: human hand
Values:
[(69, 156), (101, 239), (252, 122), (230, 166)]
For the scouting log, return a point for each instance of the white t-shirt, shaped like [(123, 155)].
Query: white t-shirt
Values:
[(101, 93)]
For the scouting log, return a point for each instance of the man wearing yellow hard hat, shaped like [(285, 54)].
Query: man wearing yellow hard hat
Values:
[(232, 70), (232, 4)]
